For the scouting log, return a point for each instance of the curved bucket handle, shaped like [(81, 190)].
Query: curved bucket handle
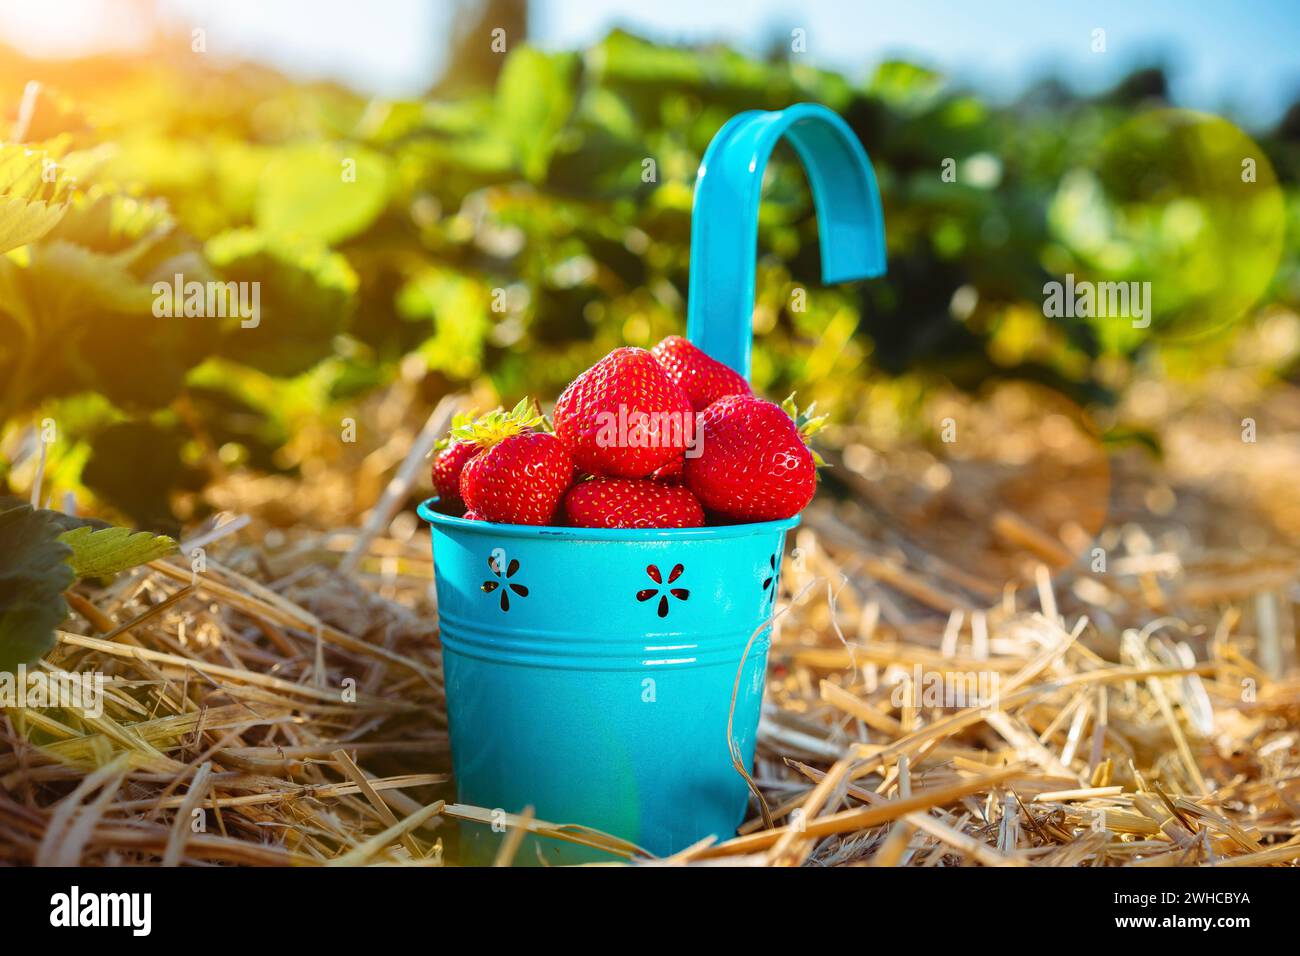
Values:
[(724, 218)]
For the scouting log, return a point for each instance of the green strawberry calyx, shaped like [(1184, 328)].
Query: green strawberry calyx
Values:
[(459, 420), (808, 425), (498, 425)]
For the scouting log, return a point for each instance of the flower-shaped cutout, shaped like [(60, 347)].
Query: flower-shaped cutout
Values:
[(500, 583), (769, 582), (662, 593)]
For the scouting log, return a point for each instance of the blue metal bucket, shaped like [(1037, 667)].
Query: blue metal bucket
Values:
[(590, 673)]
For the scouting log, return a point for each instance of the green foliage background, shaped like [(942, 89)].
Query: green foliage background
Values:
[(511, 235)]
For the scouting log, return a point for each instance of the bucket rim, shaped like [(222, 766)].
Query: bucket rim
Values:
[(559, 532)]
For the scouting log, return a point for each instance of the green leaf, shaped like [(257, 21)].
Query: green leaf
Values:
[(306, 295), (84, 284), (907, 87), (97, 554), (106, 220), (22, 222), (73, 319), (458, 307), (135, 466), (323, 192), (61, 520), (535, 96), (33, 576), (624, 58), (29, 205)]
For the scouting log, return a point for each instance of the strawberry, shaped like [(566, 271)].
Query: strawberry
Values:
[(670, 473), (519, 475), (703, 378), (472, 516), (755, 464), (631, 503), (518, 480), (624, 417), (447, 465)]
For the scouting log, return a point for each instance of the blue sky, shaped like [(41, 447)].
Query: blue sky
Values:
[(1242, 55)]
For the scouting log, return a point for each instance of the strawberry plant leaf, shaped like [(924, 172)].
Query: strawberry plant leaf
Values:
[(99, 553), (29, 205), (457, 307), (135, 466), (305, 296), (534, 98), (107, 220), (61, 520), (80, 320), (34, 573), (22, 222), (324, 191)]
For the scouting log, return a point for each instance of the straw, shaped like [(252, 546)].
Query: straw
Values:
[(286, 705)]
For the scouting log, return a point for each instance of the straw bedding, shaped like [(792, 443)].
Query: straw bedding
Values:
[(285, 705)]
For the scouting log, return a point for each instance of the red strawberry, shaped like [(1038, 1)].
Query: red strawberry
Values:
[(703, 378), (519, 480), (447, 465), (670, 473), (624, 416), (472, 516), (455, 451), (755, 465), (519, 476), (631, 503)]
